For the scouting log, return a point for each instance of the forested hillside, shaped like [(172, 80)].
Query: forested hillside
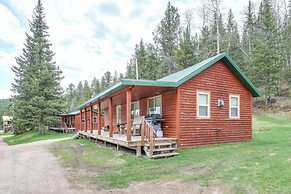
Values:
[(261, 47)]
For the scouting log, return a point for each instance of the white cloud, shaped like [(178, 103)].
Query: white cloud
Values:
[(90, 37)]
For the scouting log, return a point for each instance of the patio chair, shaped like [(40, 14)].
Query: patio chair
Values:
[(136, 126)]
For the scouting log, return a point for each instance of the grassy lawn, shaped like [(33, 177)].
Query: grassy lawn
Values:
[(32, 136), (260, 166), (3, 134)]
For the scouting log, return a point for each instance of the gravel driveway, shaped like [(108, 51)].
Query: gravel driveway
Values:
[(31, 168)]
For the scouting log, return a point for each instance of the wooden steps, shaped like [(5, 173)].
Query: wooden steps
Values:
[(161, 150), (165, 155)]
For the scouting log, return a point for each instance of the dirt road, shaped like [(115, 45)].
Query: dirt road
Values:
[(31, 168)]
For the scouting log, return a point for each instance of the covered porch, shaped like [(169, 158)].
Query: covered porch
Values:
[(162, 147), (120, 105)]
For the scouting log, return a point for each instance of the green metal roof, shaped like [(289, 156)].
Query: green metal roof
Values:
[(176, 79), (71, 113), (184, 75)]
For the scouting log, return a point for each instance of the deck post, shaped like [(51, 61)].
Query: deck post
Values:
[(99, 118), (85, 117), (142, 131), (128, 113), (91, 120), (138, 151), (80, 119), (110, 117)]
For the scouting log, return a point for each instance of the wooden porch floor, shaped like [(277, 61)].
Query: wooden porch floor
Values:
[(120, 139)]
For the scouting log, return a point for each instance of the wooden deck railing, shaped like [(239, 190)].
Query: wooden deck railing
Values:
[(147, 135), (65, 127)]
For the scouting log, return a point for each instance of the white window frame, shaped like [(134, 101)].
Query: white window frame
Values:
[(118, 114), (132, 116), (238, 106), (198, 105), (148, 104), (95, 119)]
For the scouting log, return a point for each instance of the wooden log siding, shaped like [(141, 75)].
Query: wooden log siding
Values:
[(169, 114), (77, 122), (220, 82)]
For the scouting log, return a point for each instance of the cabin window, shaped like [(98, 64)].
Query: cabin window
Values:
[(234, 106), (83, 119), (155, 105), (118, 114), (203, 104), (134, 109), (94, 119)]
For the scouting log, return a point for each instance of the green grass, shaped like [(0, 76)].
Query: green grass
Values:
[(32, 136), (3, 134), (260, 166)]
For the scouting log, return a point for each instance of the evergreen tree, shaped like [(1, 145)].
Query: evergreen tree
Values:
[(141, 59), (121, 76), (108, 79), (103, 83), (267, 69), (166, 38), (95, 86), (249, 29), (87, 90), (80, 92), (233, 38), (205, 44), (185, 55), (130, 69), (70, 95), (37, 101), (115, 77)]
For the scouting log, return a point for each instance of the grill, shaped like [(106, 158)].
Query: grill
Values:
[(155, 121)]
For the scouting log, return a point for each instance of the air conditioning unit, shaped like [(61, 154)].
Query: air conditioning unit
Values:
[(220, 103)]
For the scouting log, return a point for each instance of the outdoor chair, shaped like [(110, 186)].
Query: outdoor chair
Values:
[(136, 126)]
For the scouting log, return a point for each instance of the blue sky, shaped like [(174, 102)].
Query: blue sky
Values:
[(89, 37)]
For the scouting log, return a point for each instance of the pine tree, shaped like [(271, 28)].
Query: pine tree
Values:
[(267, 68), (95, 86), (87, 90), (185, 55), (115, 77), (141, 59), (70, 95), (130, 69), (249, 29), (80, 92), (108, 79), (166, 38), (103, 83), (233, 38), (37, 101), (154, 63), (121, 76)]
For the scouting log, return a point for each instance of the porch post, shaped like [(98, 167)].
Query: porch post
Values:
[(110, 117), (91, 120), (85, 117), (99, 118), (128, 113), (80, 119)]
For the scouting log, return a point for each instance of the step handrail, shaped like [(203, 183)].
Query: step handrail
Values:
[(147, 134)]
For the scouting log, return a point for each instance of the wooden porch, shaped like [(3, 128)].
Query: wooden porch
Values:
[(163, 147), (106, 106)]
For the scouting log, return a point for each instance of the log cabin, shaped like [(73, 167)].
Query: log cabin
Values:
[(207, 103), (74, 120)]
